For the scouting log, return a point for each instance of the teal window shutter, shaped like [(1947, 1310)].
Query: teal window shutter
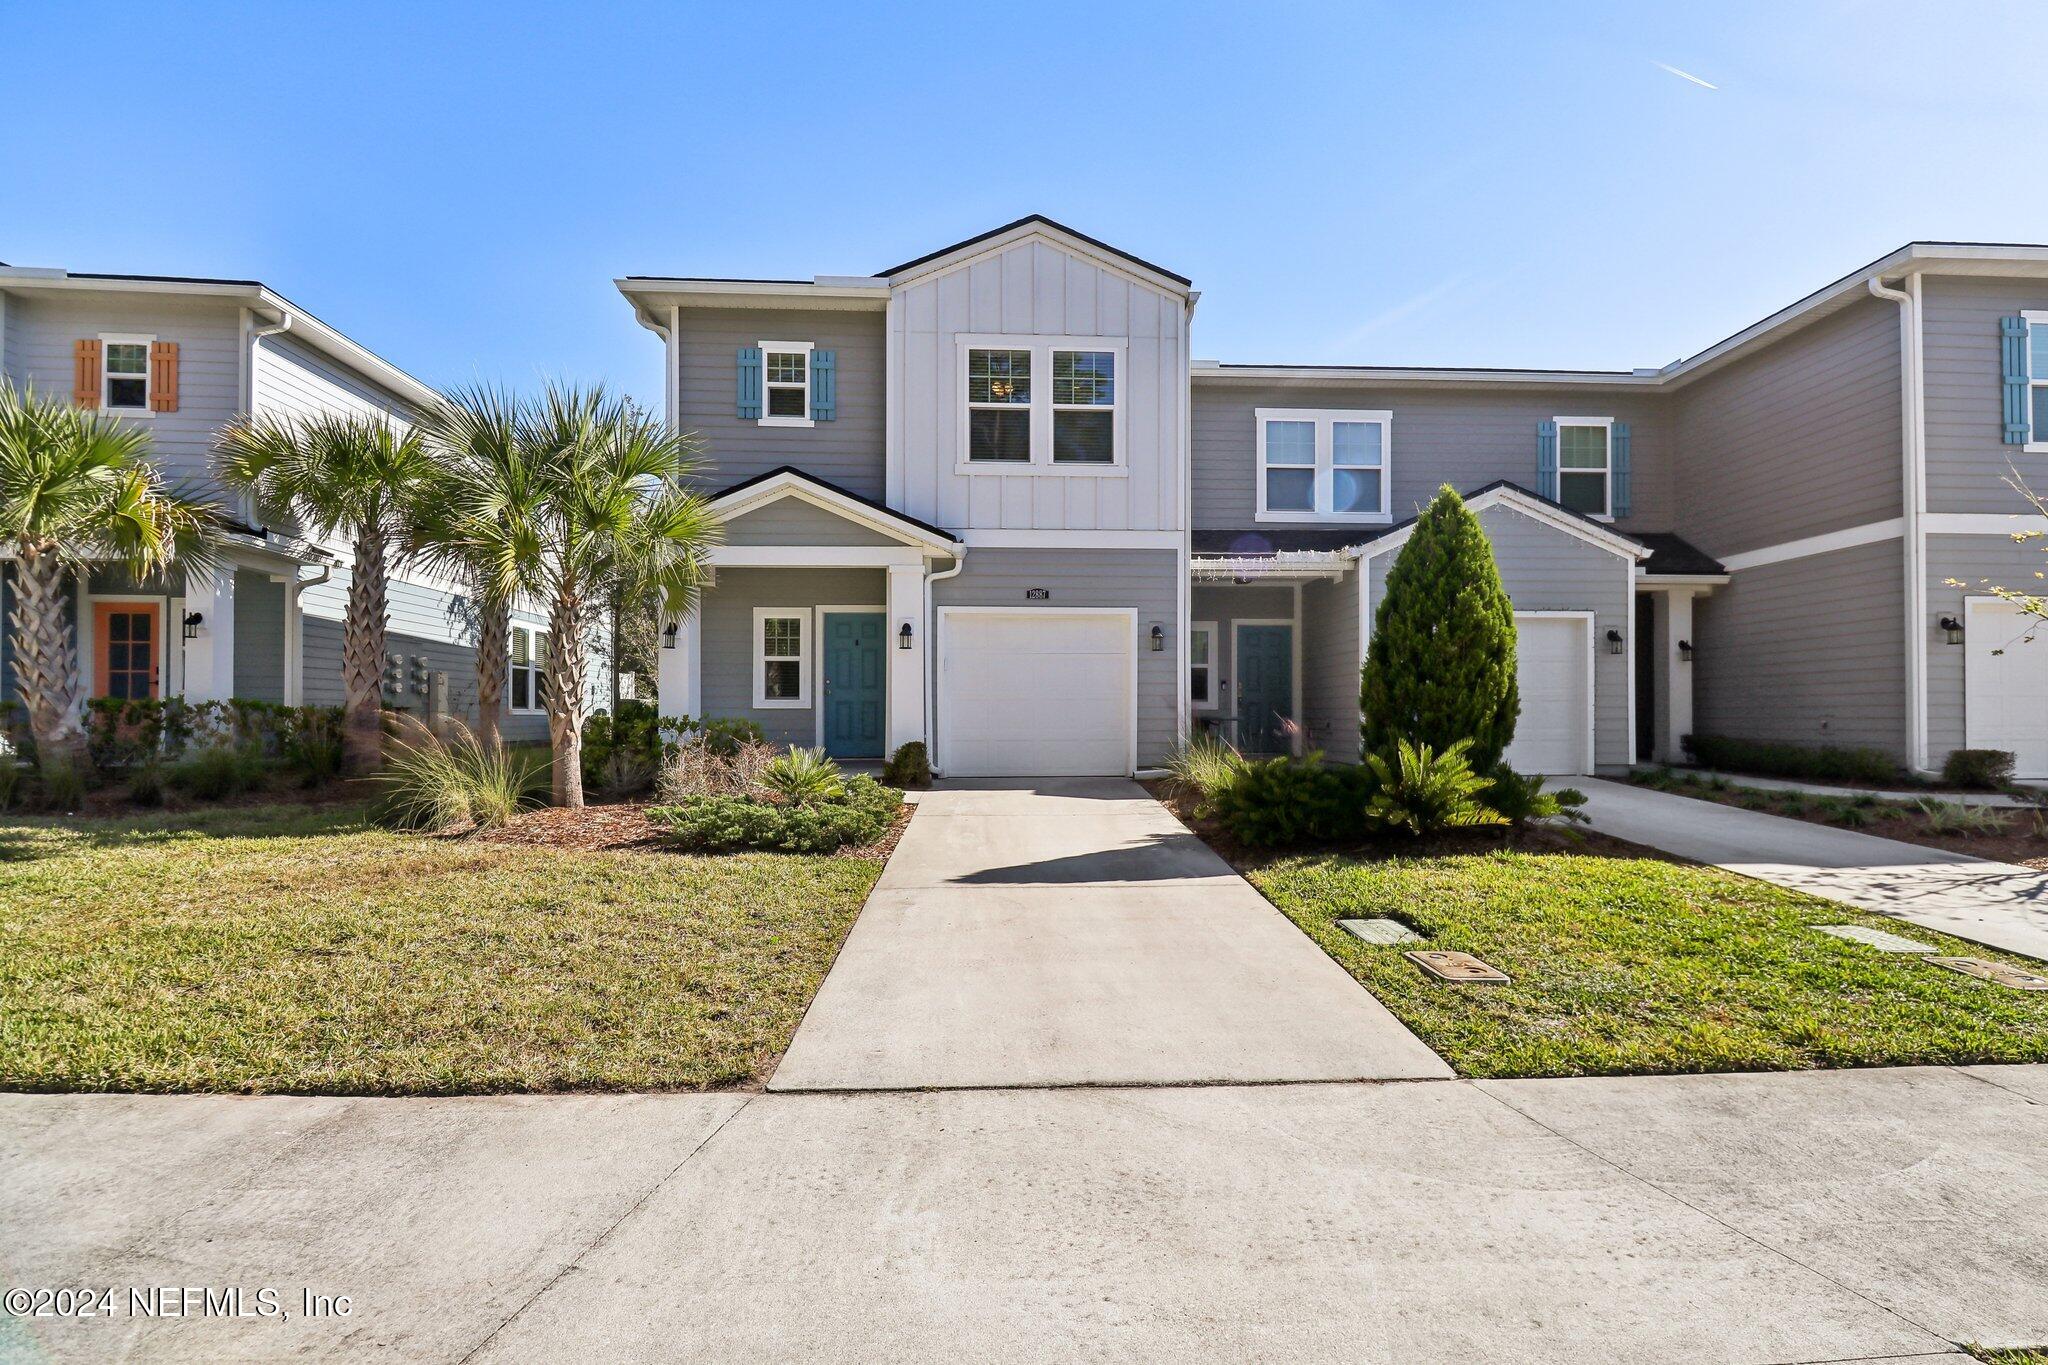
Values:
[(1617, 499), (824, 386), (747, 401), (1546, 459), (2013, 351)]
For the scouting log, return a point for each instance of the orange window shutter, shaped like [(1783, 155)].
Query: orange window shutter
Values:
[(85, 373), (163, 376)]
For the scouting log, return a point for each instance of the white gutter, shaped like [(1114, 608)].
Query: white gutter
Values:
[(931, 658), (1913, 503)]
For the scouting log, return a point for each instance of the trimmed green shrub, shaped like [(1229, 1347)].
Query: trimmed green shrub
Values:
[(148, 783), (13, 776), (62, 787), (622, 754), (909, 766), (719, 824), (1520, 799), (1288, 802), (1767, 758), (1441, 666), (1426, 792), (1984, 769), (726, 736), (223, 770)]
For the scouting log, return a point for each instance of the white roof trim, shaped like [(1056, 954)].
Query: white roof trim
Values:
[(837, 292), (787, 485), (1529, 505)]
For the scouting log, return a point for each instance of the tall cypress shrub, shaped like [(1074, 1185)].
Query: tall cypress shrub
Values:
[(1441, 666)]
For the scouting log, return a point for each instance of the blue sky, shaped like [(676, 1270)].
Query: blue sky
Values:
[(456, 186)]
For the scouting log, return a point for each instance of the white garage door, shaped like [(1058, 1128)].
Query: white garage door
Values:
[(2005, 683), (1034, 693), (1552, 659)]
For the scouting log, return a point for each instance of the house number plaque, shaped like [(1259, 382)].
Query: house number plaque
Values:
[(1038, 594)]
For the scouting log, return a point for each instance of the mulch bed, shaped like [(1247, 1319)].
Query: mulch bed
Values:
[(623, 825)]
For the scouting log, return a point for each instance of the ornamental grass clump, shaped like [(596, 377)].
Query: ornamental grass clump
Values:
[(1200, 767), (437, 784)]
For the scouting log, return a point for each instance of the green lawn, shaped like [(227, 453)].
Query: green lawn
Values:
[(301, 950), (1624, 965)]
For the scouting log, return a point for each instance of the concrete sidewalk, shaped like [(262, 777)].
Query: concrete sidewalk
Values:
[(1754, 1220), (1071, 932), (1998, 904)]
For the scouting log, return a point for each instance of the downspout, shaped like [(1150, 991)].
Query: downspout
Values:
[(256, 335), (1913, 501), (295, 669), (931, 657)]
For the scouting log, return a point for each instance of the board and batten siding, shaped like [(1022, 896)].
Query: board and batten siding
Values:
[(1796, 439), (1329, 665), (1033, 288), (1980, 563), (792, 521), (846, 450), (1147, 581), (1805, 651), (726, 639), (1462, 437), (1967, 458), (1546, 569)]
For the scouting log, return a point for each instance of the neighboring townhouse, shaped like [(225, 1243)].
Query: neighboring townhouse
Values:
[(179, 358), (985, 498)]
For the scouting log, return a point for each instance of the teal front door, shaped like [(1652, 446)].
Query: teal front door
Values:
[(1265, 688), (856, 692)]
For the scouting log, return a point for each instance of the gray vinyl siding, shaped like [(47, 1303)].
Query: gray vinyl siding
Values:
[(1797, 439), (259, 636), (1805, 651), (1967, 458), (726, 637), (846, 451), (1329, 665), (1980, 563), (792, 521), (11, 334), (1466, 438), (293, 380), (1224, 604), (1546, 569), (1146, 580)]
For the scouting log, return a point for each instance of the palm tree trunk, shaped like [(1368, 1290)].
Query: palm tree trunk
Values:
[(565, 695), (362, 654), (493, 656), (46, 659)]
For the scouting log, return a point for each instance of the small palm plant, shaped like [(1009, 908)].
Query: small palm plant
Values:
[(1425, 792), (339, 475), (804, 776), (75, 490)]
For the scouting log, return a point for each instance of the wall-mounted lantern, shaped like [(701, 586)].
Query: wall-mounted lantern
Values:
[(668, 635), (1614, 642), (903, 636), (1158, 638), (1685, 651), (1952, 630), (193, 621)]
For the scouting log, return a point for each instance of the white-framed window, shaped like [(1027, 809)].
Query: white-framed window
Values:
[(1202, 665), (526, 690), (1585, 465), (124, 373), (2037, 381), (1041, 405), (1324, 464), (782, 653), (786, 383)]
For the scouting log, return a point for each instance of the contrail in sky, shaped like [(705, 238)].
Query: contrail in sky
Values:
[(1685, 75)]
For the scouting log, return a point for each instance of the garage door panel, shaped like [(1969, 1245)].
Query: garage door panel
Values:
[(2005, 685), (1551, 654), (1035, 694)]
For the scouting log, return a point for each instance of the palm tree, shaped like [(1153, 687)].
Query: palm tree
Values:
[(612, 514), (480, 491), (75, 490), (339, 475)]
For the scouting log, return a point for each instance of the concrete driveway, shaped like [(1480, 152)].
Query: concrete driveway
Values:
[(1998, 904), (1072, 932)]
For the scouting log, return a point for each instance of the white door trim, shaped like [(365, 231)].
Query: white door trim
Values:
[(1586, 621), (942, 732), (818, 681)]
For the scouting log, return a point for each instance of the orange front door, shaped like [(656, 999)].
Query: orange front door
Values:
[(128, 636)]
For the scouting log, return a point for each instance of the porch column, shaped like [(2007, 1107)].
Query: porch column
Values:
[(677, 671), (1677, 715), (906, 666), (209, 656)]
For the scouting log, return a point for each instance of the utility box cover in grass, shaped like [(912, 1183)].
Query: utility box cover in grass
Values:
[(1876, 938), (1383, 932)]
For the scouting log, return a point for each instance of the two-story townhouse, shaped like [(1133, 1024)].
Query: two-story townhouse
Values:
[(985, 498), (180, 357)]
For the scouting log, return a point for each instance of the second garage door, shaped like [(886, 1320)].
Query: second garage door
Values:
[(1553, 656), (2005, 683), (1035, 693)]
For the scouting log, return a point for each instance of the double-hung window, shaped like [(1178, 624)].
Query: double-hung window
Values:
[(1202, 665), (124, 382), (782, 640), (1324, 464), (528, 688), (2035, 413), (786, 383), (1585, 464), (1034, 405)]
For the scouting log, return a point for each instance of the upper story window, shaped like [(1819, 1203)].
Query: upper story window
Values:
[(1041, 405), (786, 383), (124, 382), (1323, 464), (1585, 464)]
